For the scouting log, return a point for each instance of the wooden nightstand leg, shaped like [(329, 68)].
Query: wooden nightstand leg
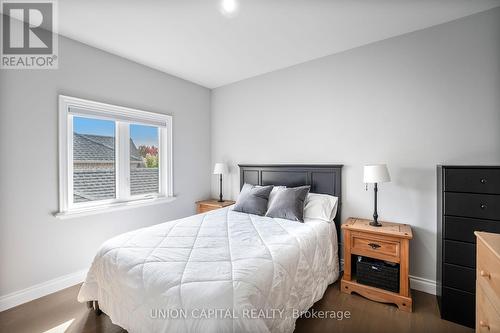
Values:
[(346, 278), (405, 304), (404, 283), (347, 256)]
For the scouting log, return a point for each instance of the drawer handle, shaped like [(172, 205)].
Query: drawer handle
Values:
[(484, 274), (483, 206), (483, 180), (482, 323), (374, 245)]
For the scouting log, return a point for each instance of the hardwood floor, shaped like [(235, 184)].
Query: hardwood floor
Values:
[(60, 312)]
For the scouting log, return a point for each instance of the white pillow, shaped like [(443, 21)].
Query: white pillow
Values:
[(319, 206)]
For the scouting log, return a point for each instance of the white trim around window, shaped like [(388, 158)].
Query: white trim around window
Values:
[(122, 117)]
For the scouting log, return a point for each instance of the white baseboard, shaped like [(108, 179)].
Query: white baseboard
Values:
[(45, 288), (417, 283), (421, 284)]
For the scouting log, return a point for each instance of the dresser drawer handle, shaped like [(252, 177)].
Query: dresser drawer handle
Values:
[(484, 274), (374, 245), (483, 180), (483, 206), (482, 323)]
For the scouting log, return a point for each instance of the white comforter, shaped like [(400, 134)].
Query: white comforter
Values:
[(222, 271)]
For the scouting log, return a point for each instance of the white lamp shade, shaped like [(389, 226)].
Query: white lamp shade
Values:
[(377, 173), (220, 169)]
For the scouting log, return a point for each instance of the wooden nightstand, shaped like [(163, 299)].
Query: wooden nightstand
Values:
[(390, 242), (208, 205)]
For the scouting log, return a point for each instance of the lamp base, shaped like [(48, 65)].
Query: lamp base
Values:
[(220, 188), (374, 222)]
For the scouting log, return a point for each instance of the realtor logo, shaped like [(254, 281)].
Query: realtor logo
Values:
[(29, 37)]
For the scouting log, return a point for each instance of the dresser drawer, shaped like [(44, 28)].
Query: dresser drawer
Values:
[(375, 247), (472, 180), (458, 253), (462, 228), (488, 320), (458, 306), (482, 206), (459, 277), (488, 272)]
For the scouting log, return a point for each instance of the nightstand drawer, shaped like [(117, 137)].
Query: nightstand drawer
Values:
[(375, 247)]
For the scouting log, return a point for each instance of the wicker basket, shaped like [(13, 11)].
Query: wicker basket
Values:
[(377, 273)]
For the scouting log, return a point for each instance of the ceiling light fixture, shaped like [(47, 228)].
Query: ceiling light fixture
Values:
[(229, 8)]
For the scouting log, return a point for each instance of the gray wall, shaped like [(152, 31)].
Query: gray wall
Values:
[(34, 245), (413, 101)]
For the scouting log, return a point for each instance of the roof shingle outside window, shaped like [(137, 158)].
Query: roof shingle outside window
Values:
[(94, 170), (88, 147)]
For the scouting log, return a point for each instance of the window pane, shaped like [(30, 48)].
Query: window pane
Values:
[(144, 175), (93, 159)]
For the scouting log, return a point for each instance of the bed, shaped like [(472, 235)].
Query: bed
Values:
[(221, 271)]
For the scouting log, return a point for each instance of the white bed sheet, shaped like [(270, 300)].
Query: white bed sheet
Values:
[(185, 275)]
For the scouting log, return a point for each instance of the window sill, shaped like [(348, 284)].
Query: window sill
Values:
[(112, 207)]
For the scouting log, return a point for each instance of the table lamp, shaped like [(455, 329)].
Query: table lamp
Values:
[(220, 169), (375, 174)]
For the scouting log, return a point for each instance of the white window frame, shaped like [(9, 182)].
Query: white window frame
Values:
[(123, 117)]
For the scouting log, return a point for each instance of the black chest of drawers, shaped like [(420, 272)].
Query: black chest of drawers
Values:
[(468, 200)]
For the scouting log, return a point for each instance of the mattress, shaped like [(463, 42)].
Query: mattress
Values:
[(222, 271)]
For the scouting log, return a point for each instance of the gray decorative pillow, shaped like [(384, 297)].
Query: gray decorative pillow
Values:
[(253, 199), (289, 203)]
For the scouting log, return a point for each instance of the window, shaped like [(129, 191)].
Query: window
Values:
[(111, 155), (144, 173), (94, 155)]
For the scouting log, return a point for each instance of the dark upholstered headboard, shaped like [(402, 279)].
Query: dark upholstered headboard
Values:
[(323, 178)]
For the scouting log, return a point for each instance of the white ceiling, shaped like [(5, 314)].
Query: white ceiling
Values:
[(193, 40)]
